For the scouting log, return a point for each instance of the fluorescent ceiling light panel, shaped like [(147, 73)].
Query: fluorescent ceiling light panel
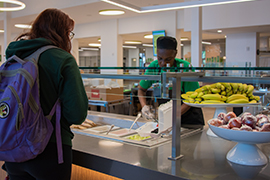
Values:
[(90, 49), (173, 6), (208, 43), (132, 42), (123, 5), (21, 5), (132, 47), (23, 26), (148, 36), (148, 45), (219, 31), (95, 44), (184, 39)]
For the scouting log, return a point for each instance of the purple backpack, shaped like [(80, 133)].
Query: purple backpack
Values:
[(25, 131)]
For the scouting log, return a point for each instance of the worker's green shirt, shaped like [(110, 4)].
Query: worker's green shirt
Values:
[(185, 85)]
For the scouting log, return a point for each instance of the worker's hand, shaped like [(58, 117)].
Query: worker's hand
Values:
[(147, 114)]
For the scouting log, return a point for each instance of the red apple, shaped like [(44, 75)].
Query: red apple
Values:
[(235, 122), (265, 127), (249, 120), (245, 128), (229, 116), (216, 122)]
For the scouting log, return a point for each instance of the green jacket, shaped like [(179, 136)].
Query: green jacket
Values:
[(59, 76), (185, 85)]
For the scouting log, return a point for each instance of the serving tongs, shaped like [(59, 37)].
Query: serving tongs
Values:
[(138, 116), (110, 129), (162, 133)]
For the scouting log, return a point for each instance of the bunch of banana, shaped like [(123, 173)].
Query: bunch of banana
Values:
[(233, 93)]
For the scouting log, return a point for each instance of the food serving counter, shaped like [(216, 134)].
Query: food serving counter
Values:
[(204, 157)]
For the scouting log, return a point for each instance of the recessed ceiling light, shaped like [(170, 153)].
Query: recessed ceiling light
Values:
[(23, 26), (148, 36), (184, 39), (99, 40), (182, 44), (95, 44), (219, 31), (20, 7), (111, 12), (225, 36), (133, 42), (1, 31)]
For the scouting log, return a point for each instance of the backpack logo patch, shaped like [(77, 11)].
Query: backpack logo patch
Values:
[(4, 110)]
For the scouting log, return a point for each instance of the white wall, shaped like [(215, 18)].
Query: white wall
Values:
[(245, 14), (241, 48)]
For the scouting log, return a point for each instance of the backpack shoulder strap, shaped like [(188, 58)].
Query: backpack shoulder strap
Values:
[(37, 53)]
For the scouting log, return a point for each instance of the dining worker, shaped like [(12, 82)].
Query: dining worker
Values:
[(166, 53)]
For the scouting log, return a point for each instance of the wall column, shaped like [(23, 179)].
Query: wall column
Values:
[(111, 54), (196, 37), (7, 34), (75, 50)]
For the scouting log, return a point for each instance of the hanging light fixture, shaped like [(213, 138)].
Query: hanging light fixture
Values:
[(20, 6)]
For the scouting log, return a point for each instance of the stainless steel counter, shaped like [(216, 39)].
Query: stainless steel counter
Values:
[(204, 158)]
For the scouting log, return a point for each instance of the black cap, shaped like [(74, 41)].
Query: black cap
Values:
[(166, 42)]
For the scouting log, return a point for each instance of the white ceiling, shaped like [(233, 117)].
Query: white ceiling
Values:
[(86, 11)]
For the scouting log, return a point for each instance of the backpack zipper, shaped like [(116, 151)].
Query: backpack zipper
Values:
[(20, 113)]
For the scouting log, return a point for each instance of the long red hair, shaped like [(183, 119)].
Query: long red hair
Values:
[(52, 24)]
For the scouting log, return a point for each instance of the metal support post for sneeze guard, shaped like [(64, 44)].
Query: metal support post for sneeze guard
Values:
[(176, 118), (176, 110)]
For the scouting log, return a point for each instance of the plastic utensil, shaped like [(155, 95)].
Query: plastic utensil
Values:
[(138, 116)]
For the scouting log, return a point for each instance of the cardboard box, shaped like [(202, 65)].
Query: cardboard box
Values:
[(104, 94)]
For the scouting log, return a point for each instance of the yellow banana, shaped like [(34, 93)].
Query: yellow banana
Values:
[(249, 94), (223, 93), (227, 85), (222, 87), (212, 97), (194, 95), (229, 93), (250, 89), (218, 85), (184, 96), (251, 97), (213, 85), (234, 86), (244, 87), (240, 86), (239, 101), (215, 90), (257, 98), (238, 92), (212, 102), (223, 98), (189, 92), (244, 94), (235, 97), (253, 101), (200, 94), (198, 99), (199, 90)]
